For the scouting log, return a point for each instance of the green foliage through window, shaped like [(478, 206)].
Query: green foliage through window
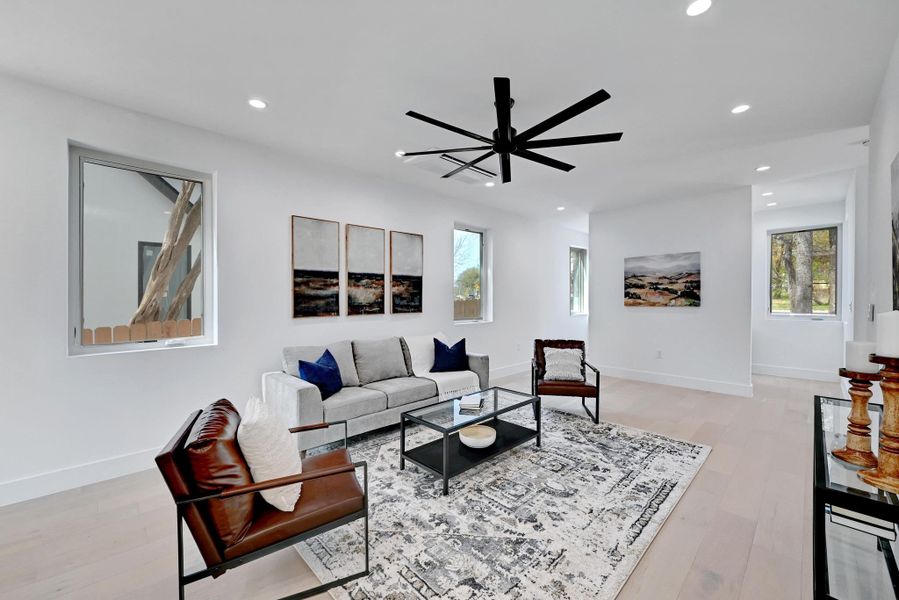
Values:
[(804, 272)]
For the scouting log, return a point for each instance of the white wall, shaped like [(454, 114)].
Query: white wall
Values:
[(796, 347), (556, 320), (94, 417), (882, 152), (704, 348)]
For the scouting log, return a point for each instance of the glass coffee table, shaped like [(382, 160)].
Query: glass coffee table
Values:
[(855, 525), (448, 456)]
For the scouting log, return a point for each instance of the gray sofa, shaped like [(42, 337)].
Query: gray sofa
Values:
[(378, 386)]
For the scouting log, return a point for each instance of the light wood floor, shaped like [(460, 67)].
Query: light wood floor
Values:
[(741, 531)]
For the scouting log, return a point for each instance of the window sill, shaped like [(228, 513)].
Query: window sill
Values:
[(126, 348), (472, 321), (578, 314), (798, 317)]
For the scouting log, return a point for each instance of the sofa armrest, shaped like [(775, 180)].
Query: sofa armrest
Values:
[(298, 400), (480, 364)]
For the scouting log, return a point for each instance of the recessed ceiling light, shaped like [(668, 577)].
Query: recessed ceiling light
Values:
[(771, 204), (766, 194), (762, 168), (399, 153), (257, 103), (560, 208), (698, 7), (490, 184), (740, 108)]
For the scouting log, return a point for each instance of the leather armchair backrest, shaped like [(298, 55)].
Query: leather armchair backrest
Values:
[(216, 463), (176, 473), (540, 358)]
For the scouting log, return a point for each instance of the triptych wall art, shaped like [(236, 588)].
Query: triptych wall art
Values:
[(406, 270), (316, 269)]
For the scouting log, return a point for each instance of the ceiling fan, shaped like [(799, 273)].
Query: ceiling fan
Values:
[(507, 142)]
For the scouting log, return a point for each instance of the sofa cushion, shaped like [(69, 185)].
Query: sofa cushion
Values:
[(324, 500), (404, 390), (342, 351), (352, 402), (217, 464), (449, 358), (323, 374), (379, 359)]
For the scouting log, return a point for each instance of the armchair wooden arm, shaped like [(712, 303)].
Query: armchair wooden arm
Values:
[(322, 425), (278, 482)]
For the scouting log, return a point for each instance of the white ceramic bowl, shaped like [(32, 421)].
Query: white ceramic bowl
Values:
[(477, 436)]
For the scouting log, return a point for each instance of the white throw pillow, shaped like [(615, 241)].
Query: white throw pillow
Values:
[(563, 364), (270, 452)]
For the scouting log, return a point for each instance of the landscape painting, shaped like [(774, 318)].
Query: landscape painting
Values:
[(406, 269), (662, 280), (895, 229), (365, 270), (316, 267)]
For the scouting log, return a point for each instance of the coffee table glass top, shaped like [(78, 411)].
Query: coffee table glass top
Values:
[(833, 473), (446, 416)]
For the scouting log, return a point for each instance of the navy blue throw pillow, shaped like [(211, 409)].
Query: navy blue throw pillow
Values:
[(449, 359), (323, 374)]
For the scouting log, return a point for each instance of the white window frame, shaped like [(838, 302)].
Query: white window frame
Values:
[(486, 276), (838, 280), (78, 156), (586, 310)]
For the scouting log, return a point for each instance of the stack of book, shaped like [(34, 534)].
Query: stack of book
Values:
[(471, 404)]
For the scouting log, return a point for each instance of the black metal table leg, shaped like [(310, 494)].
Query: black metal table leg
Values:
[(402, 442), (819, 548), (445, 464), (537, 412)]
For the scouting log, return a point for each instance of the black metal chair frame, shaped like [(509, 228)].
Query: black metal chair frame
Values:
[(219, 569), (594, 416)]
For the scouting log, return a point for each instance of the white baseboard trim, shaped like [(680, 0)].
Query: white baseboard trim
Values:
[(694, 383), (508, 370), (794, 373), (43, 484)]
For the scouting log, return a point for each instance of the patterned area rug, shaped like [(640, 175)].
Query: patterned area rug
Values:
[(568, 520)]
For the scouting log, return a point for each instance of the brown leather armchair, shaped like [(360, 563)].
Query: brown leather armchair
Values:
[(540, 387), (216, 497)]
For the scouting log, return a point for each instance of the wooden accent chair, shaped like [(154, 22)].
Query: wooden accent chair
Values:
[(540, 387), (216, 497)]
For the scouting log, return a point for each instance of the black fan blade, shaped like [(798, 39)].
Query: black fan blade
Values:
[(574, 141), (503, 109), (544, 160), (472, 149), (505, 167), (452, 128), (469, 164), (560, 117)]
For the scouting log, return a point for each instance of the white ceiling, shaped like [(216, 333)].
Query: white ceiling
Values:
[(339, 77), (820, 189)]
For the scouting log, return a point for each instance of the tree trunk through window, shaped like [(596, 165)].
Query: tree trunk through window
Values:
[(174, 244), (798, 259)]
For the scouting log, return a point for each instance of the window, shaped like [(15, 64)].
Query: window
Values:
[(577, 270), (141, 255), (804, 272), (468, 275)]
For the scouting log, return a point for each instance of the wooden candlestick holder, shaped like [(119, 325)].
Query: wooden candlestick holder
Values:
[(886, 475), (858, 435)]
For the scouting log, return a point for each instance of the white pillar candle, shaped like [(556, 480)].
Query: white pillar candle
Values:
[(888, 334), (857, 357)]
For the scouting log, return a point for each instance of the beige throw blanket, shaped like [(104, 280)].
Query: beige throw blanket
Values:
[(451, 384)]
